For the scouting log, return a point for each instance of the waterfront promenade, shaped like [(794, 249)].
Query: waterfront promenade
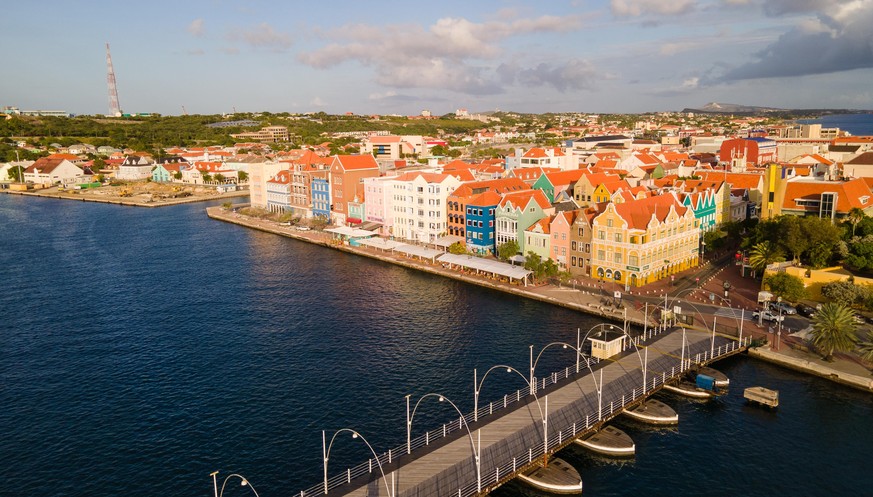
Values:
[(690, 289)]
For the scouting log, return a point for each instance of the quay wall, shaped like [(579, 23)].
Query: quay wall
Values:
[(806, 366), (127, 201), (221, 214)]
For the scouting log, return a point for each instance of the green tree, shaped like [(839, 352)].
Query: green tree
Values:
[(177, 175), (855, 216), (439, 150), (833, 330), (453, 153), (792, 236), (243, 176), (219, 178), (533, 262), (860, 257), (507, 249), (786, 286), (457, 248), (823, 236), (844, 293), (207, 177), (16, 173), (764, 254), (318, 222)]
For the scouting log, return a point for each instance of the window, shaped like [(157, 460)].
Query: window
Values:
[(609, 223), (633, 260), (573, 260), (563, 236), (572, 245), (601, 255), (563, 250), (581, 231), (617, 257), (601, 235), (618, 237)]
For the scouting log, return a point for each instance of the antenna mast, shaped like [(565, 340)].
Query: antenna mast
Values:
[(114, 108)]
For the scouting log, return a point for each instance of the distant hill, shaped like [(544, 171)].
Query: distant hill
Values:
[(751, 110)]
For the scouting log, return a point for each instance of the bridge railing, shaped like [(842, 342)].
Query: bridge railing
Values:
[(371, 465)]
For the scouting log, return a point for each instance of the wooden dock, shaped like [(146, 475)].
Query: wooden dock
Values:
[(762, 396)]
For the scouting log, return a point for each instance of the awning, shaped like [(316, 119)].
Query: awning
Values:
[(486, 265), (370, 225), (350, 232), (448, 240), (353, 220), (417, 250)]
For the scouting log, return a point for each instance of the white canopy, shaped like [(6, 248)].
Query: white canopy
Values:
[(349, 232), (486, 265)]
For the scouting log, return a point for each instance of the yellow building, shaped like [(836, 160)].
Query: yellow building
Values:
[(642, 241)]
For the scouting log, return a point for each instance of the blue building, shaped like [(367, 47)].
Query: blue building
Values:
[(479, 236), (320, 188)]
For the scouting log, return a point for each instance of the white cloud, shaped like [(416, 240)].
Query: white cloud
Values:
[(261, 36), (447, 54), (196, 27), (636, 8)]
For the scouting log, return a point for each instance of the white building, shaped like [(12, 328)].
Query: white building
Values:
[(378, 202), (419, 205), (542, 157), (134, 168), (53, 171)]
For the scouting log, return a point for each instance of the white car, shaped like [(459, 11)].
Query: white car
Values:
[(768, 316), (785, 308), (303, 228)]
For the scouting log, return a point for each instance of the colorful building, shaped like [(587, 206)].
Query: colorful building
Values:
[(479, 218), (346, 173), (320, 189), (638, 242), (516, 212)]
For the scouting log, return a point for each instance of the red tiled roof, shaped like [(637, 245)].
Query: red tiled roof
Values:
[(639, 213), (523, 198), (849, 193), (485, 199), (357, 162), (565, 177)]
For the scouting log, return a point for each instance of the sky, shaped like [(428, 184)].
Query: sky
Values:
[(401, 57)]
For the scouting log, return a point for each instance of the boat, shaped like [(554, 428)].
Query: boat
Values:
[(721, 379), (688, 389), (558, 476), (609, 441), (652, 411)]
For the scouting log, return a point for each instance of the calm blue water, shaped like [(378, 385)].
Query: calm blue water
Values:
[(143, 349), (857, 124)]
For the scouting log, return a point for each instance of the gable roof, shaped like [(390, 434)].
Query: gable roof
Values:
[(639, 213), (864, 159), (356, 162), (485, 199), (524, 197)]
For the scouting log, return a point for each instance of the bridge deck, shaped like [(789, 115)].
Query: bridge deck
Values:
[(514, 441)]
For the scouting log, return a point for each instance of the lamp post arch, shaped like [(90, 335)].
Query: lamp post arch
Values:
[(243, 482), (475, 448), (477, 386), (326, 454)]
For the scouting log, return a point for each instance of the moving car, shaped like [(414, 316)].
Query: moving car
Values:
[(768, 315)]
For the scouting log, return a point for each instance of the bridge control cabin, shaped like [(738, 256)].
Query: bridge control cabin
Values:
[(606, 346)]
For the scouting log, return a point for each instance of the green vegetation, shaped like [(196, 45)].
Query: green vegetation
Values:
[(541, 269), (866, 348), (809, 240), (833, 330), (845, 293), (786, 286), (763, 254), (507, 249), (457, 248)]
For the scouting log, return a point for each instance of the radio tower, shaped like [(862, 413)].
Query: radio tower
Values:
[(114, 108)]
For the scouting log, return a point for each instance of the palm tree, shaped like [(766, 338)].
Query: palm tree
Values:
[(764, 254), (855, 216), (833, 329), (866, 348)]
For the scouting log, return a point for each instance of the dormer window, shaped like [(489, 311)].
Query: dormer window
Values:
[(864, 199)]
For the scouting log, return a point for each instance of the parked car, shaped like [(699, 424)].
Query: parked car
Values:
[(768, 315), (806, 310), (783, 307), (303, 228)]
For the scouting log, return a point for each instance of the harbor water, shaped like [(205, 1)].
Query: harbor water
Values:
[(143, 349)]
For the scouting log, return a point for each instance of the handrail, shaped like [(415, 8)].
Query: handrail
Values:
[(556, 437)]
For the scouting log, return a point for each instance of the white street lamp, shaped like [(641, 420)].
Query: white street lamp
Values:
[(242, 482), (326, 454)]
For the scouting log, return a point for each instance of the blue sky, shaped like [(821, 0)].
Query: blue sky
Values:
[(404, 56)]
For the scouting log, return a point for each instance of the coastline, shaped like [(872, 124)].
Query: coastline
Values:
[(578, 300), (127, 201), (539, 293)]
